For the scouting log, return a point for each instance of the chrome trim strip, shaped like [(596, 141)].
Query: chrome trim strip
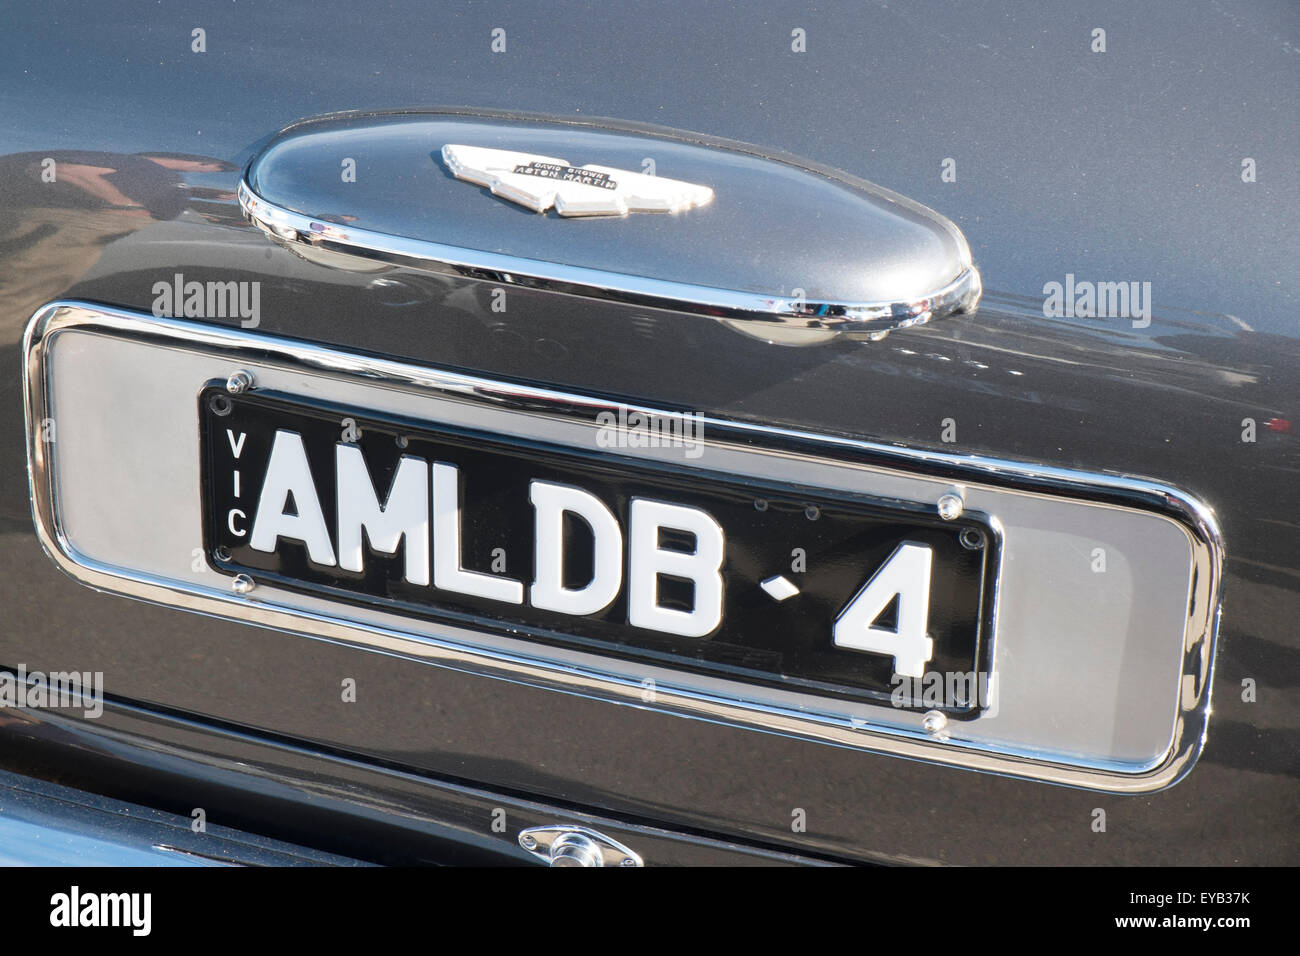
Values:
[(1195, 518), (50, 824), (872, 319)]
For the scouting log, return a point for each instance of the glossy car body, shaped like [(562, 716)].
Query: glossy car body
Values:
[(1123, 165)]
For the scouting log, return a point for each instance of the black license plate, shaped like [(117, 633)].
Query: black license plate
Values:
[(663, 563)]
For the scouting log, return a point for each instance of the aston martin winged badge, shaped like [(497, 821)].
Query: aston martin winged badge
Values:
[(540, 182)]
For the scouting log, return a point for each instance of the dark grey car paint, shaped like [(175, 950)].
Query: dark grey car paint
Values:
[(1123, 165)]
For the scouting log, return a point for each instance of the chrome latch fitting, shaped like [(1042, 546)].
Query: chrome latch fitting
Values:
[(576, 846)]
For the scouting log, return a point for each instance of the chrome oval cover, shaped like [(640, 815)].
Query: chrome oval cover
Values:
[(775, 246)]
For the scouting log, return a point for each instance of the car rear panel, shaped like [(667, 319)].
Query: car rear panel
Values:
[(1119, 166)]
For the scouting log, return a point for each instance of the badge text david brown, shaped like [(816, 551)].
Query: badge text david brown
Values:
[(423, 507)]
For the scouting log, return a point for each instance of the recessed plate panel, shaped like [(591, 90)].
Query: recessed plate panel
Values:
[(1095, 679)]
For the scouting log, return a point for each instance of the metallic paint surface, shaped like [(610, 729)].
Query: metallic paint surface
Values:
[(1119, 166)]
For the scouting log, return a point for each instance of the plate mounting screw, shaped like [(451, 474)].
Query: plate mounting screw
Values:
[(242, 584), (934, 723), (239, 382), (950, 507)]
